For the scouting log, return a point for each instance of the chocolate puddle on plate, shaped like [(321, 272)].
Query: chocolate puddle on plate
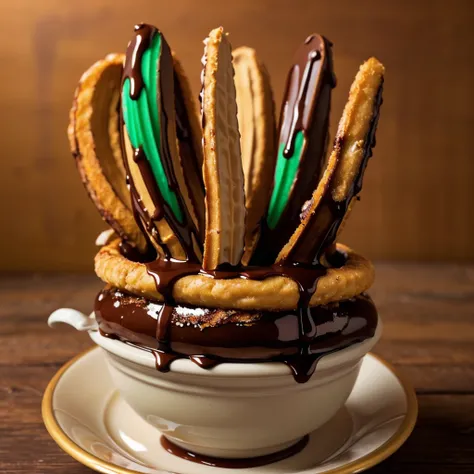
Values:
[(243, 463)]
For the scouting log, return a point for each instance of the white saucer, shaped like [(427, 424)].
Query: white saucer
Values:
[(87, 418)]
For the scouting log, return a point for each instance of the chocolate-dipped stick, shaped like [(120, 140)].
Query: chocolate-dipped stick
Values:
[(303, 137), (155, 175), (342, 180)]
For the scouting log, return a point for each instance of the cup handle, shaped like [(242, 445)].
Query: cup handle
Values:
[(76, 319)]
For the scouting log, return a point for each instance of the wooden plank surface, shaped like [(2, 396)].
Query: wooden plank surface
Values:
[(427, 310), (418, 192)]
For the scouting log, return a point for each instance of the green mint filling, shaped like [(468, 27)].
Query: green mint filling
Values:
[(142, 121), (285, 175)]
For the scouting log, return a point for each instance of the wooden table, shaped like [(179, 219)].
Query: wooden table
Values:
[(428, 311)]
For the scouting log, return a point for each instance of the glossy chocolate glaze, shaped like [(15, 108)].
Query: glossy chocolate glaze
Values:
[(192, 166), (244, 463), (209, 336), (306, 108), (133, 64), (322, 227), (131, 252), (167, 271), (185, 231), (308, 95)]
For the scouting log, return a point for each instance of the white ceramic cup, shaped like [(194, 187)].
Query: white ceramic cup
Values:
[(235, 410)]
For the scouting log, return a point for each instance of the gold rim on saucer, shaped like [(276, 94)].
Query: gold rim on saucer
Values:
[(97, 464)]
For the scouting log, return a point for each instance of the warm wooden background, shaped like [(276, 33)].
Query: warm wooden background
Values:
[(419, 192)]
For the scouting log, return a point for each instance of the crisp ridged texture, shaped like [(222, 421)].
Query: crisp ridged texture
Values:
[(256, 115), (273, 293), (355, 123), (223, 174), (94, 137), (345, 161)]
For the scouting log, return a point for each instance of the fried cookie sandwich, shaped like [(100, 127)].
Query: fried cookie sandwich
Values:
[(224, 223)]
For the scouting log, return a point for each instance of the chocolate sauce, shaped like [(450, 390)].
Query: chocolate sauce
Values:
[(243, 463), (321, 229), (167, 272), (144, 166), (311, 78), (131, 252), (306, 109), (211, 336), (132, 70), (162, 210), (167, 111), (133, 65), (186, 229), (139, 211), (191, 158)]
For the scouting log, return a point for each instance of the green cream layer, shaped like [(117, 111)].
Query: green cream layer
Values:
[(142, 121), (285, 175)]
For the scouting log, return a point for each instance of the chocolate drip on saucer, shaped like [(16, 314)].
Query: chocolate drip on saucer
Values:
[(321, 229), (186, 230), (212, 336), (243, 463), (306, 108)]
